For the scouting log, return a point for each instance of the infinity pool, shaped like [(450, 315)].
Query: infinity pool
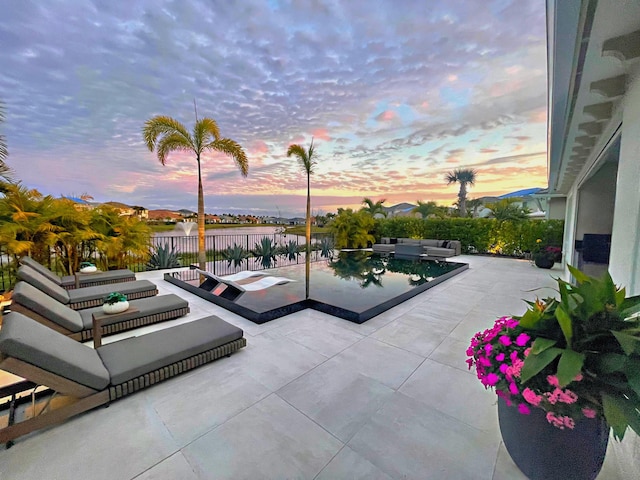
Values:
[(354, 285)]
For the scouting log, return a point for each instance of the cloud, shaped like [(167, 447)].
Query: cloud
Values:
[(80, 78)]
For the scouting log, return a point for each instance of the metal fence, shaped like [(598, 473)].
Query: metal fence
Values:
[(217, 251)]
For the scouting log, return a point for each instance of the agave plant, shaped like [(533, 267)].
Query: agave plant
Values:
[(291, 250), (326, 247), (236, 255), (163, 257), (266, 252)]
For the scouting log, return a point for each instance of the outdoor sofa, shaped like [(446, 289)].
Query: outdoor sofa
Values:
[(69, 282), (86, 297), (93, 377), (431, 248), (79, 324)]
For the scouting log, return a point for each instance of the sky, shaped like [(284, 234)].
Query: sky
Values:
[(394, 94)]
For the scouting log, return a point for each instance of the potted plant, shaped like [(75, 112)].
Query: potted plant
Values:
[(546, 256), (115, 303), (87, 267), (565, 372)]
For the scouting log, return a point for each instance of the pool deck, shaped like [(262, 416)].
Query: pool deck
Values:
[(316, 397)]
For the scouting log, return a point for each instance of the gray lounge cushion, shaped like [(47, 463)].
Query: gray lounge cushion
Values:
[(100, 291), (30, 297), (430, 243), (440, 252), (33, 343), (145, 306), (43, 284), (37, 266), (135, 356), (103, 277)]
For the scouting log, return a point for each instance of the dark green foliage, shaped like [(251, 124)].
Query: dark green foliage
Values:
[(326, 247), (236, 255), (291, 250), (163, 257), (352, 229), (477, 235), (266, 252)]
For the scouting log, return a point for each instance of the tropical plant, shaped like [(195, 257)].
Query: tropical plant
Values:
[(164, 135), (427, 209), (351, 229), (163, 257), (307, 162), (326, 247), (236, 255), (358, 266), (465, 177), (115, 297), (291, 250), (374, 208), (266, 252), (508, 209), (574, 357)]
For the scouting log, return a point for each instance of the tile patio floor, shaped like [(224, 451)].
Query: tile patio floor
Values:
[(315, 397)]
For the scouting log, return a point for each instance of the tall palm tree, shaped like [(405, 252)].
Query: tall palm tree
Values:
[(463, 176), (374, 207), (427, 208), (307, 162), (5, 171), (165, 135)]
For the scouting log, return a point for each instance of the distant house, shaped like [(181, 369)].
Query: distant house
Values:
[(187, 213), (527, 198), (164, 216), (123, 209), (211, 219), (79, 203), (399, 210), (297, 221)]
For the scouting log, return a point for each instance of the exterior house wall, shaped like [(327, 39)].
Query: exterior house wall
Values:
[(625, 258), (557, 208), (596, 199)]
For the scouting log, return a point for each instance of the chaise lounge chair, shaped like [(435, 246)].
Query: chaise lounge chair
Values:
[(233, 289), (69, 282), (78, 325), (86, 297), (96, 377)]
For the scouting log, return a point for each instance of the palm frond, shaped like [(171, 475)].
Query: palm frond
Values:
[(204, 132), (161, 126), (304, 158), (171, 143), (232, 149)]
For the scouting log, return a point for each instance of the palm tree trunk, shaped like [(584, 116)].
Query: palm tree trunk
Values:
[(308, 230), (462, 197), (202, 256)]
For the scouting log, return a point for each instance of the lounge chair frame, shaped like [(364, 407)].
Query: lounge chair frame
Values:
[(82, 398)]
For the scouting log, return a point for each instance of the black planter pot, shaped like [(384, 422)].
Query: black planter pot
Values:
[(543, 261), (544, 452)]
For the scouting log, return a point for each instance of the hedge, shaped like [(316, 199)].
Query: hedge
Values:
[(477, 235)]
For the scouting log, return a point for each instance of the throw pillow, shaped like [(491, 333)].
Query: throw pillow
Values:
[(393, 240), (445, 244)]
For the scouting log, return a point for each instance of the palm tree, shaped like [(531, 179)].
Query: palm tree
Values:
[(307, 162), (427, 208), (165, 135), (374, 207), (463, 176), (508, 209), (5, 171)]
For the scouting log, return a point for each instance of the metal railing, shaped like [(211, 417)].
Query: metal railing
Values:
[(186, 249)]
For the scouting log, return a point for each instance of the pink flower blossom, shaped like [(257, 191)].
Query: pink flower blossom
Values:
[(513, 388), (488, 348), (589, 412), (514, 356), (503, 368), (524, 409), (469, 362), (522, 339), (578, 378), (553, 380), (492, 379), (531, 397), (569, 423), (527, 351), (500, 357), (505, 340), (567, 396)]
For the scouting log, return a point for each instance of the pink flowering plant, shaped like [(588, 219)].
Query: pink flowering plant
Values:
[(575, 357)]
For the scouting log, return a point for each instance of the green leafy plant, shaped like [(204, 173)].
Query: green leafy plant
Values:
[(163, 257), (326, 247), (115, 297), (577, 356), (291, 250), (236, 255), (266, 252), (351, 229)]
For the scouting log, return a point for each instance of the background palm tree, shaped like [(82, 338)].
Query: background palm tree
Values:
[(165, 135), (374, 207), (428, 208), (463, 176), (306, 160), (5, 171)]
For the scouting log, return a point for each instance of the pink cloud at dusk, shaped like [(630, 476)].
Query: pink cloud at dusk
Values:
[(386, 116), (321, 134)]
